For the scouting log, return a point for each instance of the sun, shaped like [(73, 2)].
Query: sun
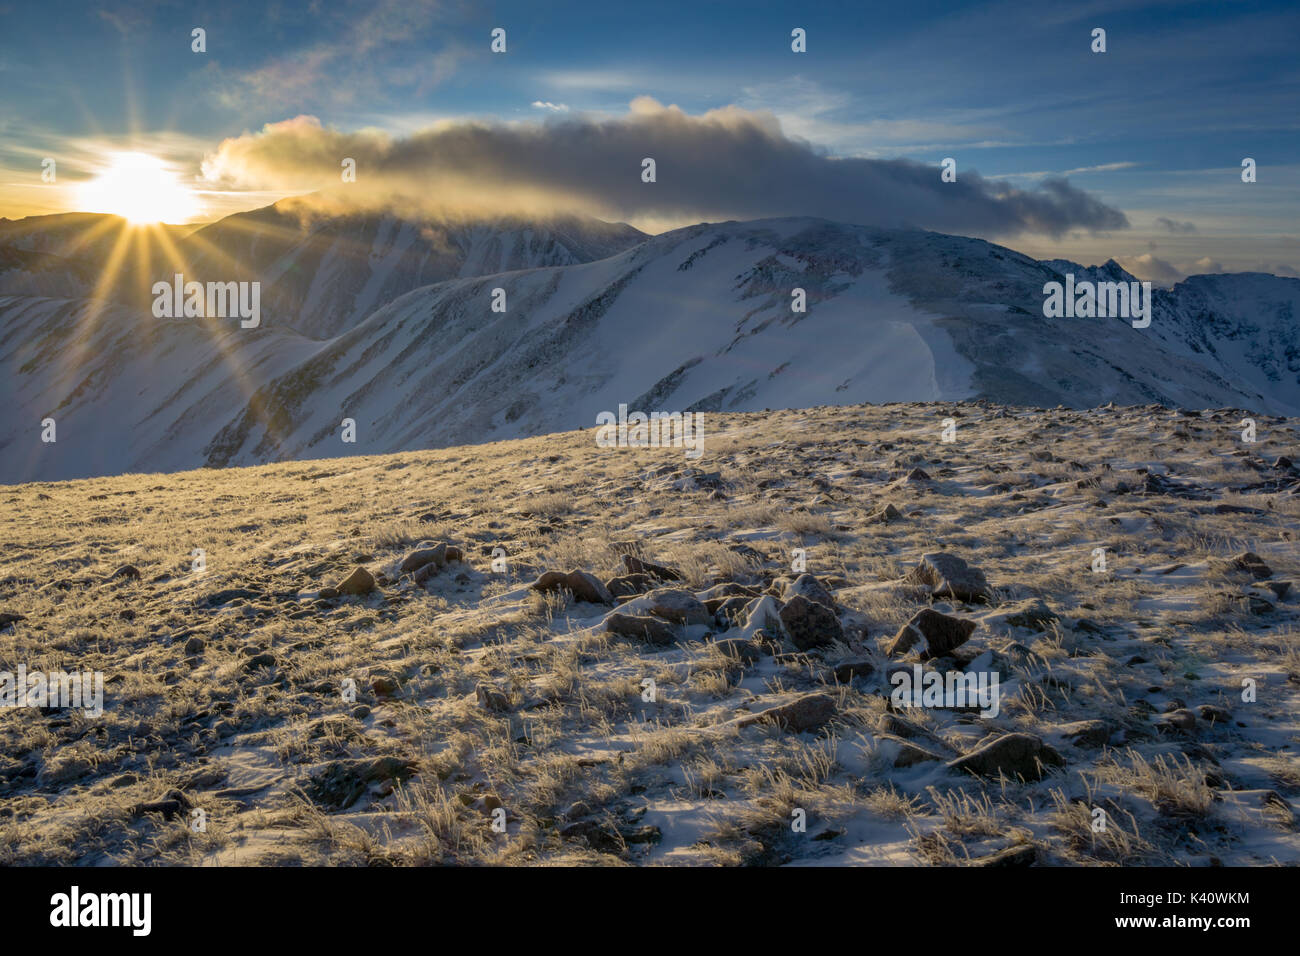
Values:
[(139, 188)]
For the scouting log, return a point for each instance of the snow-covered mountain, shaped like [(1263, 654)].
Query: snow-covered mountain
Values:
[(695, 319)]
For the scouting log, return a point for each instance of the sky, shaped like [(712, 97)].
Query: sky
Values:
[(1133, 154)]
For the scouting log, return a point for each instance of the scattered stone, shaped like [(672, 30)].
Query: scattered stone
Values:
[(194, 646), (359, 582), (810, 624), (384, 686), (802, 714), (671, 604), (641, 627), (1016, 755), (491, 697), (1086, 733), (910, 754), (934, 634), (745, 651), (808, 586), (852, 667), (884, 515), (1214, 713), (1033, 614), (1250, 561), (634, 565), (629, 585), (328, 594), (258, 661), (1025, 854), (127, 572), (8, 617), (1279, 588), (949, 576), (426, 552), (1177, 720), (340, 783), (172, 803), (583, 586)]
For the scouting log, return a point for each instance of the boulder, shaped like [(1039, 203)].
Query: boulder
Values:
[(425, 553), (804, 713), (810, 624), (634, 565), (670, 604), (1016, 755), (642, 627), (583, 586), (934, 634), (808, 586), (949, 576), (359, 582)]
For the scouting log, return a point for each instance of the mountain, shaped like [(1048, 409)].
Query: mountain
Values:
[(322, 274), (695, 319)]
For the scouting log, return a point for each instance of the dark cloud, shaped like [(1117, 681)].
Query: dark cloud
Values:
[(1177, 228), (726, 164)]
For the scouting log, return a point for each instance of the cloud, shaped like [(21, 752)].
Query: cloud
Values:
[(1147, 266), (548, 105), (1177, 228), (726, 163)]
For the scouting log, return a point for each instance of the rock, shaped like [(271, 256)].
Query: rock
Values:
[(583, 586), (1280, 589), (916, 474), (1086, 733), (730, 610), (852, 667), (634, 565), (809, 587), (642, 627), (258, 661), (1177, 720), (884, 515), (802, 714), (337, 785), (949, 576), (934, 634), (384, 686), (454, 554), (8, 617), (1214, 713), (909, 753), (195, 645), (1250, 561), (328, 594), (1016, 755), (810, 624), (426, 552), (360, 712), (671, 604), (172, 803), (359, 582), (726, 591), (226, 595), (491, 697), (629, 585), (1025, 854), (745, 651), (127, 572), (1033, 614)]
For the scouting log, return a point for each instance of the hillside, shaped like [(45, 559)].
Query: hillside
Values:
[(1120, 689)]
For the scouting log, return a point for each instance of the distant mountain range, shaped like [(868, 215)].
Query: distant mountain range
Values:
[(389, 322)]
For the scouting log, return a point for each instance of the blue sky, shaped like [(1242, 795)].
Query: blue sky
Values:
[(1156, 127)]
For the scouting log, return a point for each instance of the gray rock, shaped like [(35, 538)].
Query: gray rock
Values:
[(583, 586), (809, 587), (802, 714), (671, 604), (359, 582), (934, 634), (949, 576), (642, 627), (810, 624), (491, 697), (426, 552), (1016, 755)]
